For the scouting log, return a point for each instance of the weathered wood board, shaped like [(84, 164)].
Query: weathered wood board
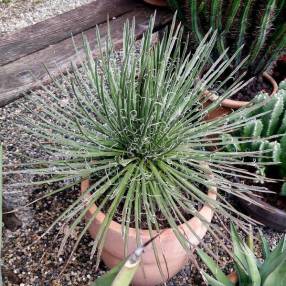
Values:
[(23, 67), (56, 29)]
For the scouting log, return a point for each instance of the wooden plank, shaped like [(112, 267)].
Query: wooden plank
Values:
[(56, 29), (27, 72)]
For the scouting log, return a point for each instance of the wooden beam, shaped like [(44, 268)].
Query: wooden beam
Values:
[(28, 72), (53, 30)]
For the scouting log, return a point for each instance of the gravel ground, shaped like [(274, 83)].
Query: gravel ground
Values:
[(28, 260), (15, 14)]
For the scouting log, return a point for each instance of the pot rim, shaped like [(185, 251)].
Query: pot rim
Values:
[(235, 104), (144, 233)]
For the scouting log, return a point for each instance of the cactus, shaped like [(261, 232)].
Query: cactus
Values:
[(258, 25), (271, 123)]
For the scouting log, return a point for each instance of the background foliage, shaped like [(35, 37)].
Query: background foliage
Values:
[(258, 25)]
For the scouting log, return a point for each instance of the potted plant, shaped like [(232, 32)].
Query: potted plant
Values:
[(129, 128), (238, 23), (271, 129), (248, 268)]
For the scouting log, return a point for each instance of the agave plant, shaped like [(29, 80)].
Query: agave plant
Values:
[(133, 124), (258, 25), (249, 270), (272, 125)]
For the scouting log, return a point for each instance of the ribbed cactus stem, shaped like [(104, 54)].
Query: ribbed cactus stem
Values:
[(258, 25), (271, 127)]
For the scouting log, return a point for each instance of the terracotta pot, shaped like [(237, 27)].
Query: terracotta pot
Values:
[(159, 3), (233, 278), (171, 254), (264, 213), (228, 105), (283, 58)]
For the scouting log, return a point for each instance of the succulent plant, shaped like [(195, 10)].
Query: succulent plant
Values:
[(249, 269), (272, 125), (258, 25), (123, 273), (133, 123)]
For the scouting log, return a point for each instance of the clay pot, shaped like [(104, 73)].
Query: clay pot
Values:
[(228, 105), (159, 3), (172, 255), (233, 278), (282, 58)]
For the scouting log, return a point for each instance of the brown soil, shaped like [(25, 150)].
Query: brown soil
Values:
[(252, 89), (278, 72)]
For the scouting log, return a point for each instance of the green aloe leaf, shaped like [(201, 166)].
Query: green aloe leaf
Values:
[(265, 245), (283, 190), (240, 257), (275, 258), (213, 282), (214, 268), (123, 273), (277, 277), (108, 278), (252, 268)]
